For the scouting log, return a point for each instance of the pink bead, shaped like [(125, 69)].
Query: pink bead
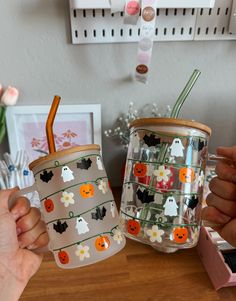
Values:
[(132, 8)]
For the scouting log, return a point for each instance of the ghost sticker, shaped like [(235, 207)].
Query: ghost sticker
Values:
[(46, 176), (81, 225), (135, 143), (128, 192), (67, 174), (84, 164), (99, 163), (176, 148), (60, 227), (113, 210), (170, 207)]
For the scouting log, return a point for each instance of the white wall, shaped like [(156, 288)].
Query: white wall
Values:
[(37, 57)]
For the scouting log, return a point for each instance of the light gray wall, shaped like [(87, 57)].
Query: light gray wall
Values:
[(37, 57)]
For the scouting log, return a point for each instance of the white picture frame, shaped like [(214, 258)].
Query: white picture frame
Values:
[(73, 125)]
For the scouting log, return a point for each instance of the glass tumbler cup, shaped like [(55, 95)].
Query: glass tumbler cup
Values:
[(163, 182), (77, 206)]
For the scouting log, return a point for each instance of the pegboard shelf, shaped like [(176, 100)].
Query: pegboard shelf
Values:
[(105, 4), (178, 24)]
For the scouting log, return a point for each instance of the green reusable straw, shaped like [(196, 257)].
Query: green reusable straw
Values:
[(183, 95), (178, 105)]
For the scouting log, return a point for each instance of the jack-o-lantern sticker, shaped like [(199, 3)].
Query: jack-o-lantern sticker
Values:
[(180, 235), (186, 175), (140, 170), (133, 227), (87, 190), (63, 257), (48, 205), (102, 243)]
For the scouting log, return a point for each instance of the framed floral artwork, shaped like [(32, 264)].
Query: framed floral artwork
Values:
[(74, 125)]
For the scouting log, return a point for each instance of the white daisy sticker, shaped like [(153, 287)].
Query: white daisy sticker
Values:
[(102, 186), (162, 174), (155, 234), (82, 252), (117, 236), (201, 179), (67, 198)]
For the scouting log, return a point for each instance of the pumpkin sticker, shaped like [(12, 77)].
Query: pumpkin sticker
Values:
[(63, 257), (87, 191), (133, 227), (186, 175), (180, 235), (49, 205), (140, 170), (102, 243)]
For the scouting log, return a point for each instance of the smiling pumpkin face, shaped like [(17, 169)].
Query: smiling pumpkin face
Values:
[(133, 227), (87, 191), (102, 243), (186, 175), (63, 257), (180, 235), (48, 205), (140, 170)]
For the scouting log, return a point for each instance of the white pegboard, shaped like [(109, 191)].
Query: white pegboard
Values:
[(105, 4), (100, 26), (213, 24)]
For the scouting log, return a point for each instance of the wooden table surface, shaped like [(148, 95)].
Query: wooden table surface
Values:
[(137, 273)]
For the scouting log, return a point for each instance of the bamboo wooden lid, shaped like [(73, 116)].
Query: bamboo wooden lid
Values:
[(170, 121), (62, 153)]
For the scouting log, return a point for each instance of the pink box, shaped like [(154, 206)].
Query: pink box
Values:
[(214, 262)]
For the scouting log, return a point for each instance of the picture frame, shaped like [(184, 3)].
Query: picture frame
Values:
[(73, 125)]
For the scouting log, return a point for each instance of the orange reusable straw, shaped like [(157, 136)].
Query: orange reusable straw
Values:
[(49, 124)]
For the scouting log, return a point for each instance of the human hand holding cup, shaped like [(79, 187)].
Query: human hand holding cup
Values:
[(77, 206)]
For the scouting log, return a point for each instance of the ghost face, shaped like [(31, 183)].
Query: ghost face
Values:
[(67, 174), (81, 226), (177, 148), (99, 163)]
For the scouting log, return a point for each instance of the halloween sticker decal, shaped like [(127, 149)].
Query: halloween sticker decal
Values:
[(133, 227), (177, 148), (81, 225), (170, 207), (67, 174), (84, 164), (102, 243), (99, 163), (180, 235), (63, 257), (99, 214), (87, 190), (60, 227), (46, 176), (151, 140)]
